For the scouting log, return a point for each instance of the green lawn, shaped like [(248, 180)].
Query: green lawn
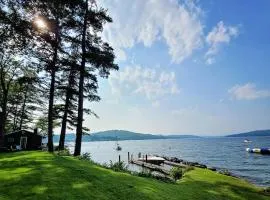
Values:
[(40, 175)]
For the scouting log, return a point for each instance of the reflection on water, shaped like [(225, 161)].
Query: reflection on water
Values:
[(228, 153)]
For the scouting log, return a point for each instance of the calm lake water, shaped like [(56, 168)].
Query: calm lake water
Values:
[(224, 153)]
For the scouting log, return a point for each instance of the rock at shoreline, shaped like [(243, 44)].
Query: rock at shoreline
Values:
[(212, 168)]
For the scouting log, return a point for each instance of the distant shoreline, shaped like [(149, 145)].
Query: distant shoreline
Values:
[(122, 135)]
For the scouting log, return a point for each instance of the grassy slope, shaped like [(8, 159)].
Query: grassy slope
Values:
[(39, 175)]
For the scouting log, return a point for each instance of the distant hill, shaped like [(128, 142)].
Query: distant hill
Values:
[(180, 136), (113, 135), (260, 133)]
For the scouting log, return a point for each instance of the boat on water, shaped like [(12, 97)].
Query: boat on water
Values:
[(118, 147), (247, 141), (259, 150)]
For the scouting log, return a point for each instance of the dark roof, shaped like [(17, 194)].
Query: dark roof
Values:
[(26, 131)]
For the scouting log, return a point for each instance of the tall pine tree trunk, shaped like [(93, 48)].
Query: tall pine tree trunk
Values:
[(71, 79), (64, 126), (3, 106), (64, 119), (4, 109), (50, 111), (79, 130), (23, 108), (3, 117), (52, 88), (15, 118), (1, 130)]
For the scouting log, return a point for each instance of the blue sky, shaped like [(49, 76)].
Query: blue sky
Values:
[(186, 67)]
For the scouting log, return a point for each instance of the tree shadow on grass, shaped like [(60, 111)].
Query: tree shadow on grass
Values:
[(4, 155), (56, 178)]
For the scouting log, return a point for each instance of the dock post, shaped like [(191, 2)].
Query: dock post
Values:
[(119, 159), (146, 158), (131, 157), (128, 157)]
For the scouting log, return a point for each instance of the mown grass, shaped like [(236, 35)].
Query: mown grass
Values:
[(40, 175)]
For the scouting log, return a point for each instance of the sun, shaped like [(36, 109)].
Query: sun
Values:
[(40, 23)]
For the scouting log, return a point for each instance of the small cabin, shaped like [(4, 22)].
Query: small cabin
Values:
[(24, 140)]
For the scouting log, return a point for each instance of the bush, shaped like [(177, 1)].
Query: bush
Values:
[(85, 156), (176, 173), (267, 190), (144, 173), (187, 169), (64, 152), (118, 166), (163, 178)]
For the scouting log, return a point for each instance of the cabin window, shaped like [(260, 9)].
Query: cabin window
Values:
[(10, 139)]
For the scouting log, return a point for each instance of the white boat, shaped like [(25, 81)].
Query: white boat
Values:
[(118, 147), (247, 141)]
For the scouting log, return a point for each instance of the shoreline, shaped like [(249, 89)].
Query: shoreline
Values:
[(222, 171), (237, 161)]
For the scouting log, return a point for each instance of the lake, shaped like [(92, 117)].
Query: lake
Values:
[(220, 152)]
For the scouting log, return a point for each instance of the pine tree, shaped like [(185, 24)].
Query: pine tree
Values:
[(70, 94), (61, 40), (12, 43), (10, 70), (52, 16), (95, 56)]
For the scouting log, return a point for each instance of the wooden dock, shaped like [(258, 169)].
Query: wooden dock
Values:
[(151, 166), (174, 164), (153, 163), (182, 163)]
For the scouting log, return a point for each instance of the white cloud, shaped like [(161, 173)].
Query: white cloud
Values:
[(156, 104), (149, 82), (248, 92), (221, 100), (210, 60), (220, 34), (120, 55), (185, 111), (176, 23)]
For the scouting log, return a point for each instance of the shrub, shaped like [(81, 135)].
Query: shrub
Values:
[(187, 169), (176, 173), (144, 173), (64, 152), (267, 190), (164, 179), (118, 166), (105, 165), (86, 156)]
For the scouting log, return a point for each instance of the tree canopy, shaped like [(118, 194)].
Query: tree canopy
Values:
[(51, 55)]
